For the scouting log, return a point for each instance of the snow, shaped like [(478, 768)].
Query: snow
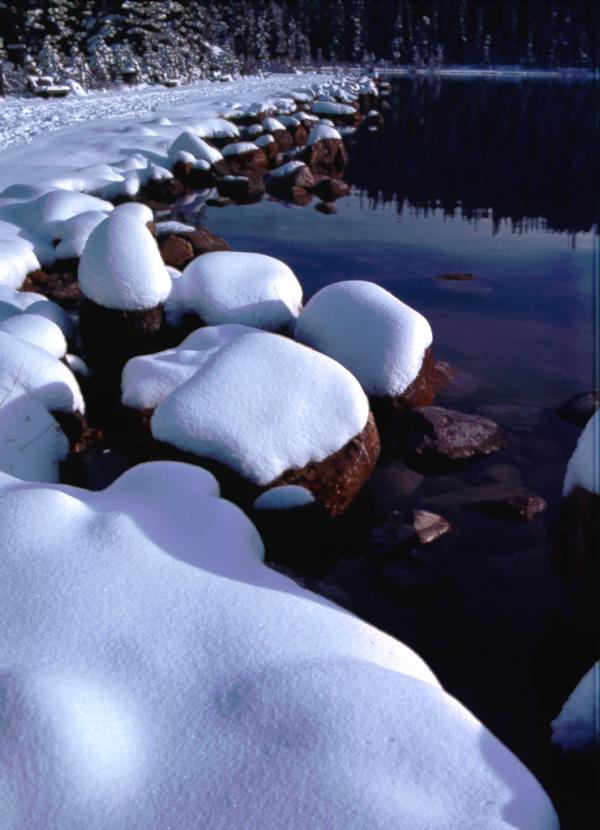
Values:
[(238, 148), (287, 169), (577, 727), (582, 469), (332, 108), (263, 405), (37, 330), (263, 140), (13, 302), (33, 383), (194, 145), (148, 379), (156, 673), (255, 129), (74, 233), (272, 124), (286, 497), (289, 121), (121, 266), (236, 287), (321, 132), (377, 337)]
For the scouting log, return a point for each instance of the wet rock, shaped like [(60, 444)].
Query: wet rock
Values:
[(504, 474), (248, 162), (393, 480), (393, 536), (458, 277), (283, 139), (501, 500), (579, 409), (60, 286), (445, 373), (515, 416), (329, 189), (435, 438), (455, 384), (327, 208), (429, 526), (204, 241), (290, 175), (576, 539)]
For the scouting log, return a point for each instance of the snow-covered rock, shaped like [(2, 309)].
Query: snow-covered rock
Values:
[(155, 671), (33, 384), (577, 727), (583, 470), (378, 338), (121, 266), (272, 124), (148, 379), (72, 234), (286, 497), (38, 330), (333, 108), (195, 146), (234, 287), (322, 132), (239, 148)]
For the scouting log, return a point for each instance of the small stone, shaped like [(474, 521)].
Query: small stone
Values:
[(329, 189), (500, 500), (327, 208), (429, 526), (459, 277), (579, 409)]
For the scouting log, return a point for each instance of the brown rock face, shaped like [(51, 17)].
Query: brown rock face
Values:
[(283, 139), (204, 241), (243, 190), (254, 161), (175, 250), (329, 189), (505, 501), (111, 336), (327, 157), (421, 392), (436, 439), (577, 546), (300, 196), (166, 191), (302, 177), (61, 286), (336, 481)]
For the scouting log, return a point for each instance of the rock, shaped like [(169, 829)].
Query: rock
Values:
[(175, 250), (575, 542), (412, 579), (393, 536), (111, 336), (456, 277), (504, 474), (500, 500), (248, 161), (429, 526), (301, 537), (166, 191), (283, 139), (292, 174), (63, 286), (516, 416), (242, 189), (326, 157), (327, 208), (393, 480), (204, 241), (367, 101), (329, 189), (455, 384), (300, 196), (374, 119), (580, 408), (436, 438), (444, 374)]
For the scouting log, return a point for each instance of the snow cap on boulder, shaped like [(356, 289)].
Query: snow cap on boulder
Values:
[(121, 266), (190, 143), (263, 405), (583, 470), (375, 336), (235, 287), (576, 727), (323, 132)]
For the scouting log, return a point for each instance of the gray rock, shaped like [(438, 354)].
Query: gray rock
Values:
[(429, 526), (500, 500), (580, 408)]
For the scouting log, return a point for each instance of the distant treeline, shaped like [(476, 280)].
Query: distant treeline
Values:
[(99, 40)]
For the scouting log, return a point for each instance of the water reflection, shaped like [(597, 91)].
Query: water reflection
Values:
[(516, 150)]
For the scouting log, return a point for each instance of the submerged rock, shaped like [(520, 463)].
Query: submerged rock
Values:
[(504, 501), (580, 408)]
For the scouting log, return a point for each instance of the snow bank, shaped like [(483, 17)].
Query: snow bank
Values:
[(582, 469), (155, 672), (378, 338), (321, 132), (147, 379), (37, 330), (233, 287), (263, 405), (13, 302), (121, 266), (32, 385), (577, 728)]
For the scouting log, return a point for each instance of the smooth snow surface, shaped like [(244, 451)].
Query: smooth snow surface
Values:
[(583, 469), (194, 145), (37, 330), (233, 287), (33, 384), (284, 498), (332, 108), (238, 148), (155, 673), (121, 266), (378, 338), (147, 379), (321, 132), (263, 405), (577, 728)]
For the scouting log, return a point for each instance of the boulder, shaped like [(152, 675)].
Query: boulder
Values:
[(245, 157), (175, 250), (329, 189), (242, 189), (505, 501), (580, 408), (292, 174), (283, 139), (435, 439), (327, 208), (165, 191), (327, 157)]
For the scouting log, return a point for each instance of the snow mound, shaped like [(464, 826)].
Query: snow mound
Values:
[(577, 728), (255, 129), (263, 140), (197, 147), (582, 469), (13, 302), (234, 287), (263, 405), (74, 233), (148, 379), (142, 691), (272, 124), (322, 132), (286, 497), (38, 330), (32, 385), (121, 266), (332, 108), (238, 148), (17, 258), (377, 337)]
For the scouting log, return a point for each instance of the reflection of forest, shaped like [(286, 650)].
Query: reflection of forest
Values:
[(521, 150)]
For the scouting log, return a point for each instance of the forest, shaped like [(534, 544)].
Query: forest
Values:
[(98, 42)]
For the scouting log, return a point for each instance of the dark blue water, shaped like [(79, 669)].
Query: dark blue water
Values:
[(498, 179)]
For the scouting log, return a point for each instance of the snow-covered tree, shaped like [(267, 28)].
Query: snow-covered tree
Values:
[(50, 61)]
